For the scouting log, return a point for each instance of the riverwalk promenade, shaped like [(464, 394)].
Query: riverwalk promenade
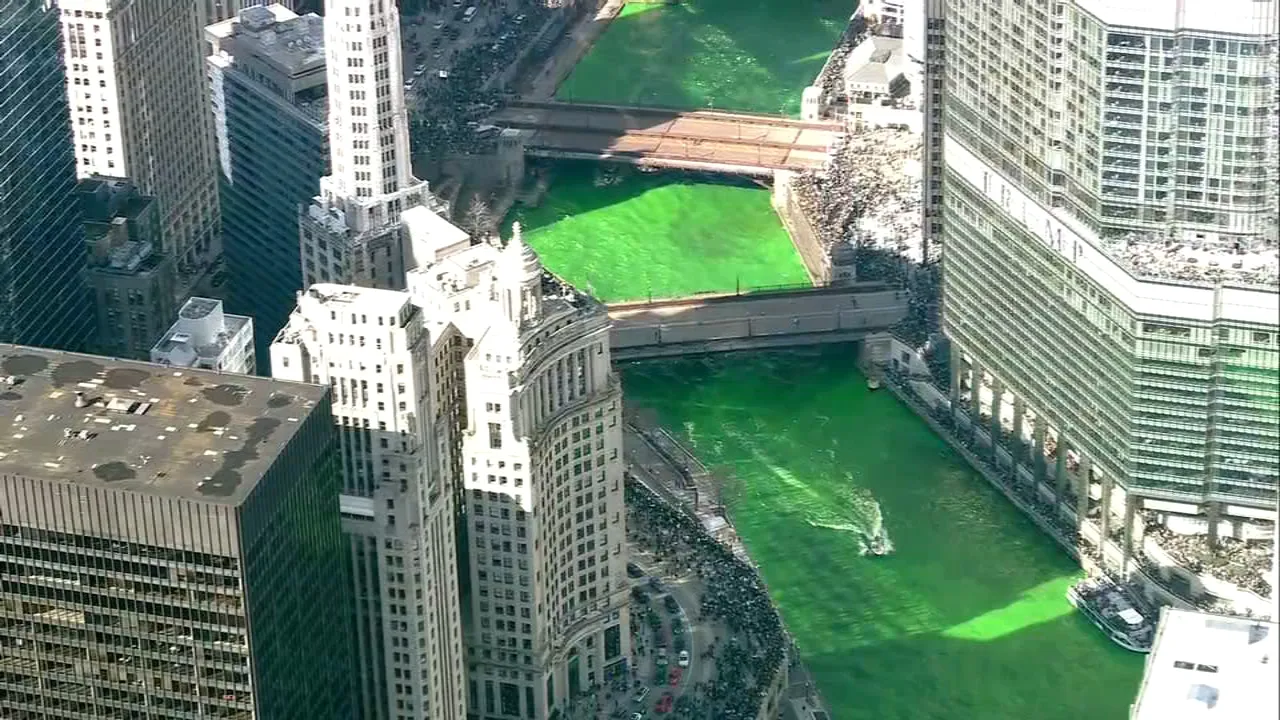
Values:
[(1079, 537), (661, 464)]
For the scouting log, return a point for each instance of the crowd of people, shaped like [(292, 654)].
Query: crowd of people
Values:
[(865, 204), (447, 111), (747, 662), (1245, 564), (868, 194), (831, 79)]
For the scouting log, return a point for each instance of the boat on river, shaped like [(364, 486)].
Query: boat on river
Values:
[(1111, 609), (878, 546), (873, 383)]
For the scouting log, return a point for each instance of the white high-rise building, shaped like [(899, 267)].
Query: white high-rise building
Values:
[(353, 231), (1109, 255), (492, 391), (136, 87), (541, 463), (393, 406)]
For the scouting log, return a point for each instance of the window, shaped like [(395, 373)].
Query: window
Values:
[(495, 436)]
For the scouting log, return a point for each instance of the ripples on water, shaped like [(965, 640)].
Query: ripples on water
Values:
[(966, 620), (750, 55), (659, 234)]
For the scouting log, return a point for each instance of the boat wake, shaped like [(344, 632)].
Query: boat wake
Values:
[(864, 519)]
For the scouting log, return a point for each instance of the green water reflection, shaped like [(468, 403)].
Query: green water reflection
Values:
[(659, 235), (749, 55), (967, 620)]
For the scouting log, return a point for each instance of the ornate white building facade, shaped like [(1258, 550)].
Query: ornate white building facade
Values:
[(398, 509), (541, 477)]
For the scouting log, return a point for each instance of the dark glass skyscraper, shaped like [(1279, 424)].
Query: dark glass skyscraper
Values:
[(43, 300), (269, 105)]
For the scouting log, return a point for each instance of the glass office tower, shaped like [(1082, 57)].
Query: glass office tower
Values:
[(1110, 262), (43, 300)]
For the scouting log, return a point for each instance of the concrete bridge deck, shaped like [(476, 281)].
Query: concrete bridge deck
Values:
[(752, 321), (652, 136)]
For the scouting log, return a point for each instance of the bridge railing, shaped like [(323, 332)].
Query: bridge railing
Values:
[(756, 291), (674, 111), (570, 103)]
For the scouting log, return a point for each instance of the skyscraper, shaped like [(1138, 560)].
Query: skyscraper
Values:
[(43, 300), (169, 544), (136, 86), (540, 458), (391, 400), (352, 233), (267, 77), (1109, 240)]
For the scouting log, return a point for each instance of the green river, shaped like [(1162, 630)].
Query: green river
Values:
[(748, 55), (659, 235), (967, 620)]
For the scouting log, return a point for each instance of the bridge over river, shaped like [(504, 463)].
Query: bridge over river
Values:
[(753, 320), (691, 140)]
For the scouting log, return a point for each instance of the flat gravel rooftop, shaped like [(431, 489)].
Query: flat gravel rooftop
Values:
[(178, 432)]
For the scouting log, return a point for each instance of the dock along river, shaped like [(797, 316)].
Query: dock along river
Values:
[(966, 620)]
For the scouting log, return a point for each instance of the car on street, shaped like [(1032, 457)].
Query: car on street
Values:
[(637, 716), (684, 659), (640, 695), (674, 678), (664, 705), (439, 24), (672, 606), (633, 570)]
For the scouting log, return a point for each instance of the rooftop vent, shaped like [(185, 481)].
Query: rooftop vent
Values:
[(129, 407)]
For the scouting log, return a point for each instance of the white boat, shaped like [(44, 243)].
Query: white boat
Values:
[(873, 383), (877, 546), (1109, 607)]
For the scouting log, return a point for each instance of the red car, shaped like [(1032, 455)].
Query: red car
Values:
[(664, 705), (676, 674)]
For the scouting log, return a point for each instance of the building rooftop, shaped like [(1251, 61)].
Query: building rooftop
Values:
[(1211, 666), (1202, 260), (293, 44), (877, 60), (141, 427), (103, 199), (202, 332)]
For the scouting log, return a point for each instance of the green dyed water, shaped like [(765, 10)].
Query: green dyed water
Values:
[(659, 234), (748, 55), (966, 620)]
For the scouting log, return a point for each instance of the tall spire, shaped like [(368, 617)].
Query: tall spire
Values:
[(368, 124)]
